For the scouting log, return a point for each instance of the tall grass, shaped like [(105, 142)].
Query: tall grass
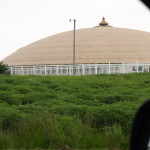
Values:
[(6, 140), (57, 132), (79, 112)]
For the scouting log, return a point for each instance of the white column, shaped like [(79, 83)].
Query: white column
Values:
[(109, 67), (89, 68), (33, 70), (22, 70), (69, 70), (67, 67), (11, 70), (137, 68), (57, 71), (123, 69), (15, 70), (96, 68), (45, 70), (83, 69), (41, 70)]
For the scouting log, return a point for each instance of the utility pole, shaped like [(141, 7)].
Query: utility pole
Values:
[(74, 45)]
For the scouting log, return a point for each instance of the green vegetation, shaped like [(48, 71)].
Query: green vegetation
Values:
[(4, 69), (76, 112)]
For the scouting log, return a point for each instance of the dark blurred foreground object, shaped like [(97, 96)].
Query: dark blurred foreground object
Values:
[(146, 2), (140, 134), (141, 128)]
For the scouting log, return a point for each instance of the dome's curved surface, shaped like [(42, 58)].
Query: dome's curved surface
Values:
[(93, 45)]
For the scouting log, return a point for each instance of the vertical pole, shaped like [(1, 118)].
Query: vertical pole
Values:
[(33, 72), (83, 69), (74, 46), (73, 65), (123, 67), (11, 70), (22, 73), (109, 67), (67, 68), (45, 68), (96, 68), (70, 69), (57, 70), (15, 71), (137, 68)]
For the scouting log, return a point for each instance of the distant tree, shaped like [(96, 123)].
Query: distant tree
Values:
[(4, 69)]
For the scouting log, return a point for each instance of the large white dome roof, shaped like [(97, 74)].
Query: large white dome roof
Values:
[(93, 45)]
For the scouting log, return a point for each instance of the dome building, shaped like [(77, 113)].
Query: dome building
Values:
[(100, 50)]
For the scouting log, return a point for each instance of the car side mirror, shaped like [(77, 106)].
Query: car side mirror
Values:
[(140, 133)]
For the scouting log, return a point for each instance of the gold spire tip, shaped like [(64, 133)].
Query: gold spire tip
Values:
[(103, 22)]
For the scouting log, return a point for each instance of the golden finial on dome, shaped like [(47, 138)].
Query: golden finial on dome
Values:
[(103, 22)]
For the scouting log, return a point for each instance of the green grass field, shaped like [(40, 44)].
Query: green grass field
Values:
[(77, 112)]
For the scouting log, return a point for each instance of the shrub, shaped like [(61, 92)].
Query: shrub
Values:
[(4, 69), (6, 97)]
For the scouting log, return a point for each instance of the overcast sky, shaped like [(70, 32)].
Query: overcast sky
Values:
[(25, 21)]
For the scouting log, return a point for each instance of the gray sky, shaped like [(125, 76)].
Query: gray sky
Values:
[(25, 21)]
